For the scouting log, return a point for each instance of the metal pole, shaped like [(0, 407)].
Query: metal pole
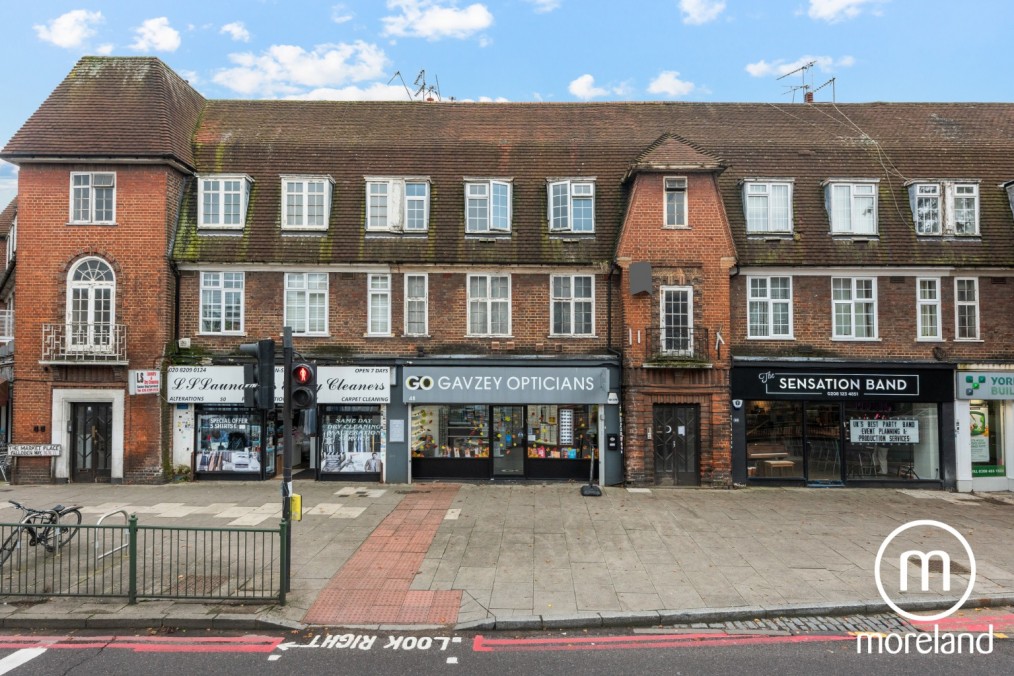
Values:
[(287, 452)]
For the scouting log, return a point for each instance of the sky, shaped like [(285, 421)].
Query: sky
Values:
[(521, 50)]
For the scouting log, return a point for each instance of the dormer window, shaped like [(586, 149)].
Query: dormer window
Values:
[(572, 205), (397, 204), (487, 206), (222, 202), (852, 206), (306, 202), (945, 208), (768, 206)]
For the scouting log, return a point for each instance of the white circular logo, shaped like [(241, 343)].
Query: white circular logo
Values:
[(419, 382), (924, 562)]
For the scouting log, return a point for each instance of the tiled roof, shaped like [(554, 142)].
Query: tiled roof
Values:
[(138, 107), (670, 152), (529, 142), (7, 217), (113, 107)]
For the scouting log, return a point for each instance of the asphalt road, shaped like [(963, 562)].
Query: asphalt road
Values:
[(550, 653)]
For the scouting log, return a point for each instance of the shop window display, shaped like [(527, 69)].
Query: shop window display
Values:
[(829, 441), (352, 440), (450, 432), (562, 432), (229, 442)]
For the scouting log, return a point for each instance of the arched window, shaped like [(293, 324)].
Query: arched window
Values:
[(91, 303)]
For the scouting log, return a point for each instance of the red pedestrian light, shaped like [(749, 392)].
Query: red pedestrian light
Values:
[(302, 374), (304, 385)]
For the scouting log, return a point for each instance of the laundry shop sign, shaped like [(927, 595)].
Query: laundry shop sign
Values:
[(504, 385)]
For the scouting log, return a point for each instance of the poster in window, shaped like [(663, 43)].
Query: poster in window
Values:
[(979, 428), (228, 443), (352, 442)]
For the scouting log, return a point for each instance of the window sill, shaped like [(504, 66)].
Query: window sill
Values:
[(488, 236), (378, 335), (855, 237), (844, 339), (105, 224), (494, 336), (571, 236), (310, 335), (930, 340), (226, 334), (230, 231), (969, 340), (416, 335), (397, 233), (770, 337), (676, 227), (777, 234), (303, 231), (569, 336)]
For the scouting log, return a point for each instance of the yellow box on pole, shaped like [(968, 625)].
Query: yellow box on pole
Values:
[(296, 506)]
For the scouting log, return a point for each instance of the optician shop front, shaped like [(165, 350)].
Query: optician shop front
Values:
[(513, 421), (219, 437), (830, 423)]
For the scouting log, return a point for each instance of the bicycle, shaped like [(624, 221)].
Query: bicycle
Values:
[(44, 527)]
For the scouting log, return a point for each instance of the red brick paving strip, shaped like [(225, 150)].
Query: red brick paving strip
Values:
[(373, 585)]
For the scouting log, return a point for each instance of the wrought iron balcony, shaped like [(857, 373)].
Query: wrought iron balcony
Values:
[(677, 347), (6, 325), (76, 343)]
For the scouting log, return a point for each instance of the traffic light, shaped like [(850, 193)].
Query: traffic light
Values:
[(261, 375), (304, 385)]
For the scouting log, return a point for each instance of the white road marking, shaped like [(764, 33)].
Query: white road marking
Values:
[(250, 520), (16, 659), (452, 515), (452, 660), (272, 658)]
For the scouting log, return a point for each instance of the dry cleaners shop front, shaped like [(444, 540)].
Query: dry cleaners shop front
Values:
[(481, 422)]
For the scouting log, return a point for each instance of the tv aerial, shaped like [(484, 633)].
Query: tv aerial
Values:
[(426, 91), (805, 87)]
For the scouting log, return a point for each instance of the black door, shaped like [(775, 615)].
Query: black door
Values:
[(91, 441), (677, 444)]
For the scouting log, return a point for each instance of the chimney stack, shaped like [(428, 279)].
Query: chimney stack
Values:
[(808, 97)]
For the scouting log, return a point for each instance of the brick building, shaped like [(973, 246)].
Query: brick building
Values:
[(687, 294)]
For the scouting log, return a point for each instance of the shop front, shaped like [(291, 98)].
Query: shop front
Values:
[(219, 437), (984, 410), (535, 422), (836, 424)]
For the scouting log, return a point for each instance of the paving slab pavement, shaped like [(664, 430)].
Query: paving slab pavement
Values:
[(543, 556)]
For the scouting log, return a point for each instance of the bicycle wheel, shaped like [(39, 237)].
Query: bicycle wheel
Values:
[(70, 517), (40, 528), (9, 545)]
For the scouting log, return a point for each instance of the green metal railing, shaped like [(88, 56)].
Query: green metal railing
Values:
[(151, 562)]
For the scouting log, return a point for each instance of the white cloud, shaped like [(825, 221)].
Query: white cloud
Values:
[(669, 83), (434, 20), (105, 49), (237, 31), (696, 12), (71, 29), (156, 35), (543, 6), (584, 88), (190, 76), (833, 11), (779, 67), (288, 70), (8, 183), (341, 14)]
